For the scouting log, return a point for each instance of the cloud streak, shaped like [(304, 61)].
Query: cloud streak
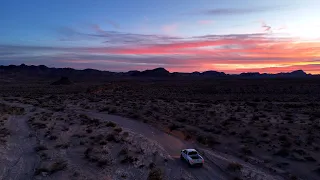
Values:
[(112, 37), (236, 11), (113, 24), (231, 53), (206, 22)]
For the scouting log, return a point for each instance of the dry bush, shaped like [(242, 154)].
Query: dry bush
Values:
[(156, 174), (234, 167), (40, 148), (111, 124), (59, 165)]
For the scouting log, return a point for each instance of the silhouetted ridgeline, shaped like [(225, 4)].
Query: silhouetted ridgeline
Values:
[(44, 71)]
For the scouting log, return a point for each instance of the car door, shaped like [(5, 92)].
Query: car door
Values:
[(184, 154)]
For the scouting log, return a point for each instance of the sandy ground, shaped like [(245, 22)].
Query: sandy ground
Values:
[(20, 160)]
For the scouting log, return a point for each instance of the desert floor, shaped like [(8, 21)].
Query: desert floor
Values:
[(132, 129)]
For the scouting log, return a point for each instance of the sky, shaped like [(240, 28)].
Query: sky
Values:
[(232, 36)]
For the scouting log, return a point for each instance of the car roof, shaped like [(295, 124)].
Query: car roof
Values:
[(189, 150)]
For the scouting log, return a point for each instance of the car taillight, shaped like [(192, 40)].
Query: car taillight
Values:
[(202, 160)]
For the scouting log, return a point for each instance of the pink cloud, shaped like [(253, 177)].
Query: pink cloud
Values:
[(230, 53)]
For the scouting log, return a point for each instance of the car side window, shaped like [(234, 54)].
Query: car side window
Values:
[(185, 152)]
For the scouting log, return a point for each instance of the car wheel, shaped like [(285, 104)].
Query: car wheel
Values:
[(190, 165), (181, 157)]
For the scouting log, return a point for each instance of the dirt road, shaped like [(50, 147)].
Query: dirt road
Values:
[(170, 143), (17, 158)]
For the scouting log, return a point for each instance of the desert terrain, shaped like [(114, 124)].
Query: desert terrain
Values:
[(134, 128)]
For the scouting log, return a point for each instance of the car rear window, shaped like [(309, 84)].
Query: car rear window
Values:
[(192, 153)]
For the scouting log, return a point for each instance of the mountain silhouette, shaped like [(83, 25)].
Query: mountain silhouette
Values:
[(93, 74)]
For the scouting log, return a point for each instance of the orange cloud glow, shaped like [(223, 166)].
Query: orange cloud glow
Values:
[(235, 54)]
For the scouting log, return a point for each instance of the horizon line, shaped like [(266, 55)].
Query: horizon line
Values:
[(104, 70)]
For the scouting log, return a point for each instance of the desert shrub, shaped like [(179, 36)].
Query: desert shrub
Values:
[(113, 111), (53, 168), (255, 118), (58, 166), (202, 139), (173, 127), (187, 137), (102, 162), (207, 140), (39, 125), (286, 144), (233, 133), (148, 113), (111, 124), (155, 174), (283, 138), (40, 148), (283, 152), (65, 129), (237, 178), (316, 114), (152, 165), (118, 130), (234, 167), (181, 119), (309, 158), (225, 123), (53, 137), (299, 151), (264, 134), (111, 137), (127, 159), (134, 115), (293, 177), (246, 150), (252, 104), (125, 134), (84, 116), (288, 117), (104, 109), (59, 109), (62, 146), (40, 170), (123, 151), (102, 142), (4, 132), (87, 152), (232, 119), (44, 156), (155, 108)]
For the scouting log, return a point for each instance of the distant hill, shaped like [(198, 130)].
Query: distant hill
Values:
[(62, 81), (16, 71), (293, 74), (53, 73), (158, 72)]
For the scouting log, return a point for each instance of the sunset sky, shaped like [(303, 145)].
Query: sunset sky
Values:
[(180, 35)]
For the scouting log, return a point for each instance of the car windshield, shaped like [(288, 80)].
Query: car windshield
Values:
[(193, 153)]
